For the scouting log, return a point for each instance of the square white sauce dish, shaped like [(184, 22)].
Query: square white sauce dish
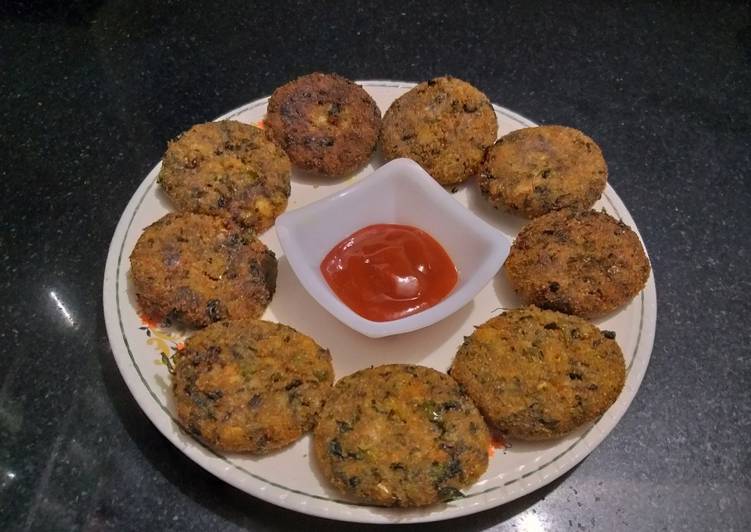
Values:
[(400, 192)]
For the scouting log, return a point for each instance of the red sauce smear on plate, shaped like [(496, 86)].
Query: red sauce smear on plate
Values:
[(497, 440), (386, 271)]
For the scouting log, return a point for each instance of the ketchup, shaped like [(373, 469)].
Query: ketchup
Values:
[(386, 271)]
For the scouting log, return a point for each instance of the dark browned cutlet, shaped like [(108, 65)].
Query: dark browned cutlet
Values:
[(326, 123)]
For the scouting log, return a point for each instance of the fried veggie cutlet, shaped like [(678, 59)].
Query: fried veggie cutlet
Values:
[(444, 124), (537, 170), (400, 435), (250, 385), (578, 262), (327, 124), (197, 269), (539, 374), (227, 168)]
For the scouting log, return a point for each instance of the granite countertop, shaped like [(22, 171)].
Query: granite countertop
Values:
[(91, 90)]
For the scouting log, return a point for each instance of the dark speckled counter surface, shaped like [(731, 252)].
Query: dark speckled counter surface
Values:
[(91, 90)]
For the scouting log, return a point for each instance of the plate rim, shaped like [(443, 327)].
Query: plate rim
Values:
[(351, 512)]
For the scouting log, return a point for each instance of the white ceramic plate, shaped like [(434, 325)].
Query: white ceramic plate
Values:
[(289, 478)]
